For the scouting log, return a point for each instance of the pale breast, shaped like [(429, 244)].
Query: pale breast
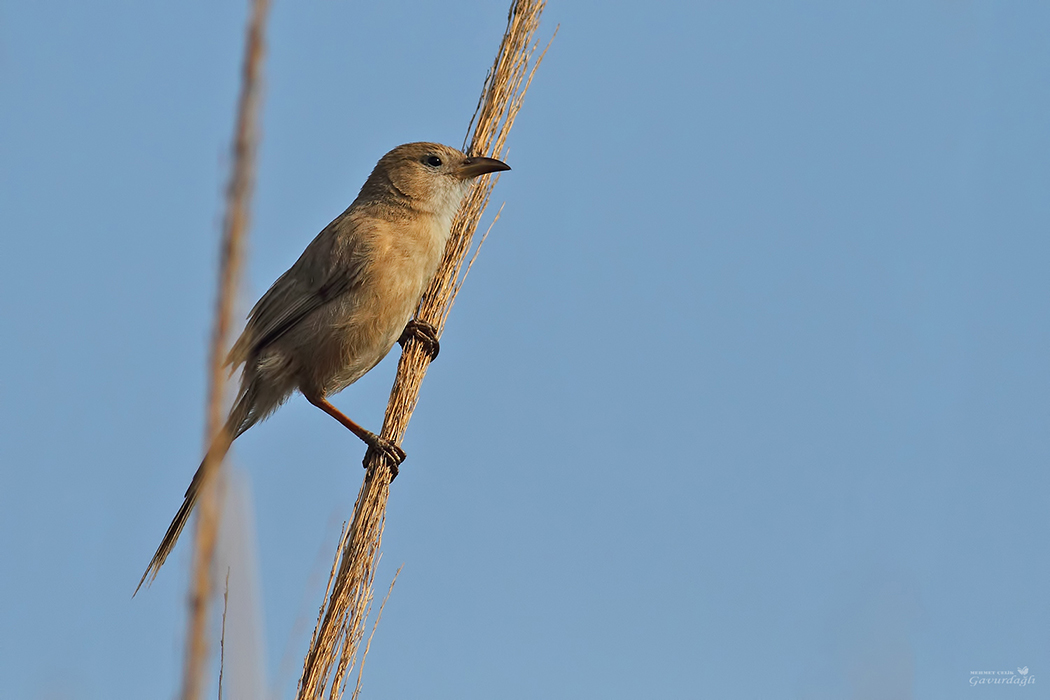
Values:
[(404, 259)]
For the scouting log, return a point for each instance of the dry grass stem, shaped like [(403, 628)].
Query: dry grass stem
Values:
[(375, 626), (477, 252), (222, 635), (336, 642), (235, 227)]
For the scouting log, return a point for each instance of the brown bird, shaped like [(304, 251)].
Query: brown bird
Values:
[(348, 298)]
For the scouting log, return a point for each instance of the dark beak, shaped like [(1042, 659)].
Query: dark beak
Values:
[(474, 166)]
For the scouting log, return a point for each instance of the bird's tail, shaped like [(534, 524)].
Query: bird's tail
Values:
[(236, 424)]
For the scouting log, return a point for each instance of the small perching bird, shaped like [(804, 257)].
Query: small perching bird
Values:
[(348, 298)]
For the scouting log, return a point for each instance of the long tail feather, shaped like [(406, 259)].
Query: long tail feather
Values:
[(240, 420), (174, 530)]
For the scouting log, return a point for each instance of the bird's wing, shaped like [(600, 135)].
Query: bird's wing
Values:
[(331, 266)]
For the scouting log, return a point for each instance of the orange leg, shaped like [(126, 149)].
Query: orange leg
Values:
[(394, 454)]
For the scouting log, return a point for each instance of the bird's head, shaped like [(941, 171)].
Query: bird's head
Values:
[(431, 176)]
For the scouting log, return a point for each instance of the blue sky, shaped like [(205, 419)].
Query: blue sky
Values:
[(747, 395)]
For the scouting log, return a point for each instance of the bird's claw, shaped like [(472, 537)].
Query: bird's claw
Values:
[(425, 333), (388, 452)]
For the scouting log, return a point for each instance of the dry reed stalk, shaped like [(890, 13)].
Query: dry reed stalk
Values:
[(375, 626), (222, 635), (235, 227), (337, 638)]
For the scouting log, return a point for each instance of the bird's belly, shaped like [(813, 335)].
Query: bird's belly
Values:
[(358, 329), (362, 336)]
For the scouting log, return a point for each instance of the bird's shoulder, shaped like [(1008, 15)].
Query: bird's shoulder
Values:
[(334, 263)]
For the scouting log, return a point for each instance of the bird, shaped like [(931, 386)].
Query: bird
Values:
[(346, 301)]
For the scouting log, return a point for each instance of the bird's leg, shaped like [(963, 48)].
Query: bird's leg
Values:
[(425, 333), (394, 455)]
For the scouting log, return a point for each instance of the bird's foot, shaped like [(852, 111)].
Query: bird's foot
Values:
[(389, 453), (425, 333)]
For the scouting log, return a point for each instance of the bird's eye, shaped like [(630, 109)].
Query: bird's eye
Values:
[(433, 161)]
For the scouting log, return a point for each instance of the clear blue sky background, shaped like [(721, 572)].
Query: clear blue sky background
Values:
[(746, 397)]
